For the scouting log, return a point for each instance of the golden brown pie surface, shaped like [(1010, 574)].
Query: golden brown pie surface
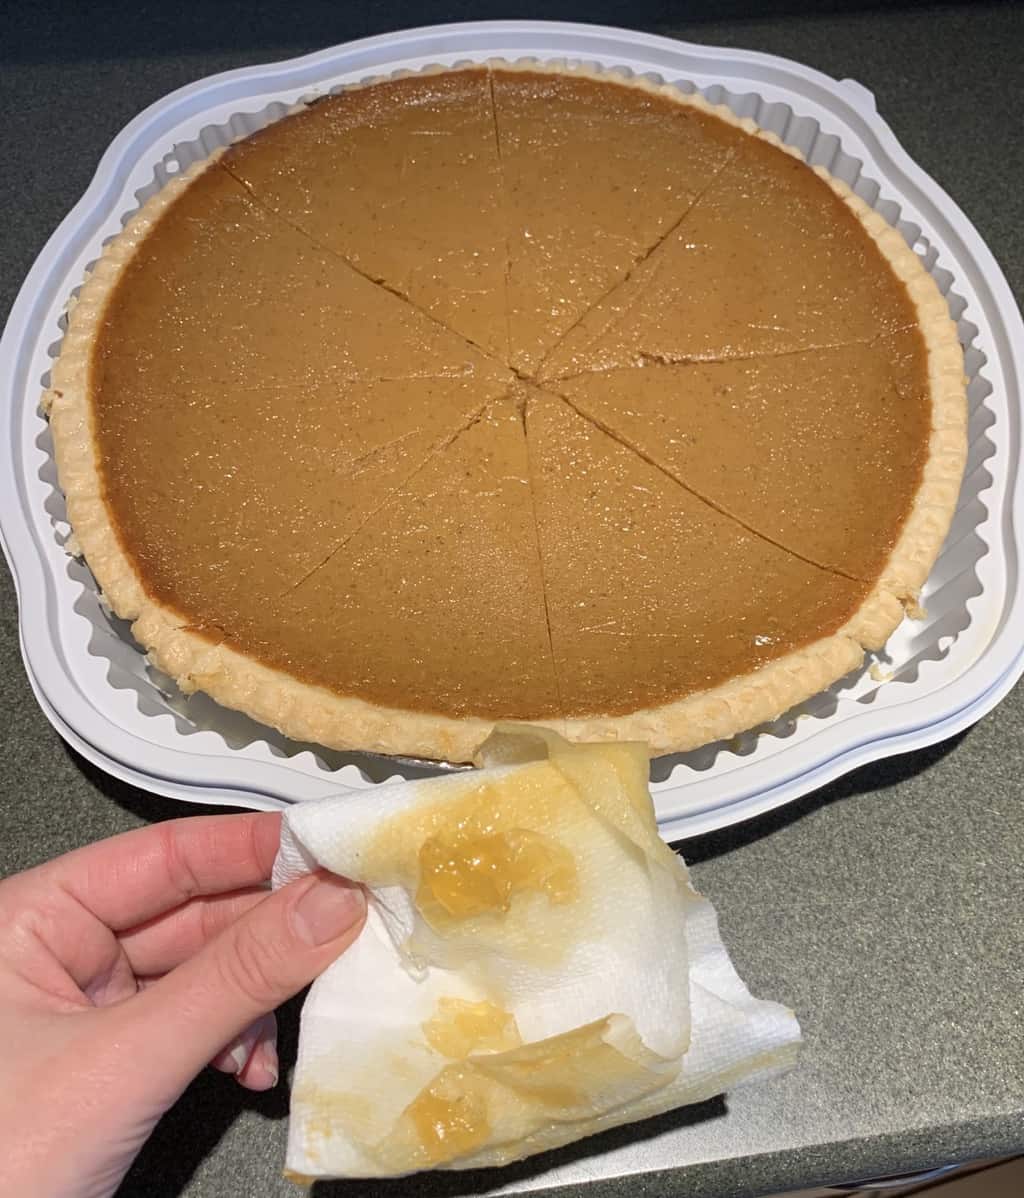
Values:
[(509, 394)]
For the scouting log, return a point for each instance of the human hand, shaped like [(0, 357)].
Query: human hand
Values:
[(126, 966)]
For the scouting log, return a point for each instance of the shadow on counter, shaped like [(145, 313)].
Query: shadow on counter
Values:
[(192, 1128), (479, 1181), (866, 779)]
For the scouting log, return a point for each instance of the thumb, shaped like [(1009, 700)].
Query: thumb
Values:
[(253, 966)]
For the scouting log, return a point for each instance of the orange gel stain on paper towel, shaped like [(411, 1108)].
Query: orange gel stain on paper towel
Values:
[(472, 868)]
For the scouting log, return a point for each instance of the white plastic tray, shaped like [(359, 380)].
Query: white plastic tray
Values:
[(946, 670)]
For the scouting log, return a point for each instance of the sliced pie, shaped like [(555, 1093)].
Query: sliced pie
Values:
[(509, 393)]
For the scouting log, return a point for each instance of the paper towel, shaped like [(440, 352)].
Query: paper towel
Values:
[(535, 967)]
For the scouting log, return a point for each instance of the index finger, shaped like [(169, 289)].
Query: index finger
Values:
[(130, 878)]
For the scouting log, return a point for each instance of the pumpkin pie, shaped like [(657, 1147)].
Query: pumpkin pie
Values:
[(509, 392)]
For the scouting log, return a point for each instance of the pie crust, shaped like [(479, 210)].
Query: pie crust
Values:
[(316, 714)]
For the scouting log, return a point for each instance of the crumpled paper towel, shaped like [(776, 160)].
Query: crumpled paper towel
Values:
[(535, 967)]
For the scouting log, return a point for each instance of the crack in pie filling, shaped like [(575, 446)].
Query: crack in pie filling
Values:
[(509, 392)]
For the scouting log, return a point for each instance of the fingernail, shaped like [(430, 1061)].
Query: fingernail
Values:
[(328, 908), (234, 1057), (268, 1052), (239, 1056)]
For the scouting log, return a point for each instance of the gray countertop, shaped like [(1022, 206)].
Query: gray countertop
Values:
[(886, 909)]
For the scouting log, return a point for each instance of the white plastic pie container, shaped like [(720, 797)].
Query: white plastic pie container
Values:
[(938, 675)]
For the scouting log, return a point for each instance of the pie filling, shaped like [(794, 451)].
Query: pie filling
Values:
[(511, 395)]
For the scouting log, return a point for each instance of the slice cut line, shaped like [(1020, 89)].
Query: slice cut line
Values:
[(436, 605), (821, 453), (369, 174), (584, 207), (646, 582), (718, 287), (257, 524)]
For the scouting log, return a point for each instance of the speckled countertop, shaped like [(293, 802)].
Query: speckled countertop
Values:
[(886, 909)]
